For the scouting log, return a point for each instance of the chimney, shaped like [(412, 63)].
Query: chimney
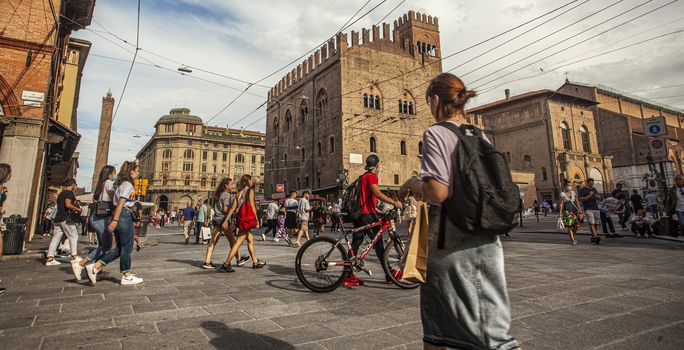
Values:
[(508, 94)]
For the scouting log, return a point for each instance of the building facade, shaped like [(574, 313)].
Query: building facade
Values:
[(550, 134), (185, 160), (36, 78), (350, 99), (620, 132)]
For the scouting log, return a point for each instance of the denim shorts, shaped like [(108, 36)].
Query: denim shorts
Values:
[(464, 303)]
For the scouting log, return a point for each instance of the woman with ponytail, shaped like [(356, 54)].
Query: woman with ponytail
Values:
[(463, 303), (122, 227), (246, 221), (102, 197)]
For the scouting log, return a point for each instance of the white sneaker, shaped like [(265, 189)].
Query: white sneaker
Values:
[(263, 237), (130, 280), (91, 272), (52, 262), (77, 269), (276, 240)]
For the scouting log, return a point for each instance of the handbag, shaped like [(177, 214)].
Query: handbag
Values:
[(560, 224), (206, 233), (246, 217), (414, 261), (103, 208)]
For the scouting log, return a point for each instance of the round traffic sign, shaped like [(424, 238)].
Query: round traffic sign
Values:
[(654, 129), (657, 143)]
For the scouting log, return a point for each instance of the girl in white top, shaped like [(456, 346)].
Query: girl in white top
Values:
[(122, 227), (103, 192)]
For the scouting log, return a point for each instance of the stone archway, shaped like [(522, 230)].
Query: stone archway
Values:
[(164, 202), (598, 180)]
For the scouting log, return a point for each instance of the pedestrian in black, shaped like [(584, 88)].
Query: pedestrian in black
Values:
[(637, 201)]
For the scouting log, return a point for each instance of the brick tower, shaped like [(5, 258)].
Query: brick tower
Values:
[(102, 153)]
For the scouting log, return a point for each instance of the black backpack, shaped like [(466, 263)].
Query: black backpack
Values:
[(485, 199), (351, 201)]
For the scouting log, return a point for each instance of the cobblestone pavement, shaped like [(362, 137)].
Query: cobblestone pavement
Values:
[(624, 294)]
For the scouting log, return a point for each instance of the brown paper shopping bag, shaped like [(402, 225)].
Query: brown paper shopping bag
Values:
[(415, 257)]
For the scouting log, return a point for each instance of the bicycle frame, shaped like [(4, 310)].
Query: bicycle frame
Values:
[(384, 225)]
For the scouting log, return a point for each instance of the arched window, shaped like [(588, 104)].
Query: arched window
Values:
[(299, 183), (276, 127), (187, 181), (164, 181), (584, 134), (167, 153), (203, 182), (377, 102), (288, 120), (420, 148), (239, 158), (318, 148), (303, 154), (213, 182), (331, 148), (565, 135), (371, 101), (188, 154), (303, 113), (403, 147), (373, 145), (544, 175), (527, 161), (285, 159), (321, 103), (365, 100), (410, 108)]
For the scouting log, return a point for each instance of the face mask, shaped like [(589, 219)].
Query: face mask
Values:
[(114, 178)]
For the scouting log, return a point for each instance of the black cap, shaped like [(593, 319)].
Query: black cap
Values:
[(372, 161)]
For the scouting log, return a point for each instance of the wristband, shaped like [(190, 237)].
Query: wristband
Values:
[(115, 220)]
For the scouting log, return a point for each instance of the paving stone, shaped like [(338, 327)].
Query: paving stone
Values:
[(91, 298), (19, 341), (187, 337), (150, 307), (75, 314), (161, 315), (300, 335), (667, 338), (370, 340), (669, 311), (16, 322), (196, 322)]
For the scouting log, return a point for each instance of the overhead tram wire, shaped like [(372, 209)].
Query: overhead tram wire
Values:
[(573, 45), (455, 53), (657, 88), (547, 71), (130, 70), (592, 37), (536, 41), (347, 25)]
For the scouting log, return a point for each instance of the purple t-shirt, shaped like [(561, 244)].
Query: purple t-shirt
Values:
[(439, 145)]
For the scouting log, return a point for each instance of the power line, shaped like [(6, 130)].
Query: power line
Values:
[(657, 88), (547, 71), (130, 70), (573, 45)]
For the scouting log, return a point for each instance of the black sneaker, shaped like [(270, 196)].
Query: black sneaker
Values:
[(243, 260), (226, 268), (598, 240), (209, 266), (593, 239), (258, 264)]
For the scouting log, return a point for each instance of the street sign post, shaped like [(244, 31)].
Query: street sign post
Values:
[(658, 148), (655, 126)]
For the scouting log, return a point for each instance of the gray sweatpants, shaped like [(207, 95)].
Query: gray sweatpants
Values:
[(62, 228)]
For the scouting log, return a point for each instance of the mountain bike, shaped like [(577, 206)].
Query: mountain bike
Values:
[(322, 262)]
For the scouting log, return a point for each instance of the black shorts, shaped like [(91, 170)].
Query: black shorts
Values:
[(291, 220)]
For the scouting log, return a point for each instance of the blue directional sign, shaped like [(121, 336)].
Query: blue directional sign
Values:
[(655, 126)]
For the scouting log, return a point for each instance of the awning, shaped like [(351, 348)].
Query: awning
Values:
[(326, 189), (62, 162)]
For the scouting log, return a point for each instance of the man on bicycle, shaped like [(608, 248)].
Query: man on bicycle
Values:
[(370, 193)]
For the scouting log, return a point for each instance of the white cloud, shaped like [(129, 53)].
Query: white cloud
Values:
[(250, 39)]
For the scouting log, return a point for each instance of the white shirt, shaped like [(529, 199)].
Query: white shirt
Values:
[(108, 186), (125, 190), (651, 199), (272, 211), (680, 199), (304, 208), (336, 208), (291, 205)]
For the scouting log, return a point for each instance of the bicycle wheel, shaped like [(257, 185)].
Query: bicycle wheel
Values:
[(319, 264), (394, 251)]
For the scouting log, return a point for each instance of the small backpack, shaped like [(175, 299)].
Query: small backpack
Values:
[(351, 201), (485, 199)]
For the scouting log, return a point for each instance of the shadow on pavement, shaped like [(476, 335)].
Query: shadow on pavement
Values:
[(224, 337), (196, 263)]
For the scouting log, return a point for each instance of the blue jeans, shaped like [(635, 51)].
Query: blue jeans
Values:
[(198, 230), (653, 209), (104, 237), (124, 233), (680, 217)]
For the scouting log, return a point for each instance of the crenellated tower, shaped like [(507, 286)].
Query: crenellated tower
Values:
[(422, 33)]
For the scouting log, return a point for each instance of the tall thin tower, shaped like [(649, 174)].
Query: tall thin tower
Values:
[(102, 153)]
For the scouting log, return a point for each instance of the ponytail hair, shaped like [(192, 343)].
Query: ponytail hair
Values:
[(221, 188), (452, 93), (125, 172), (104, 175), (244, 181)]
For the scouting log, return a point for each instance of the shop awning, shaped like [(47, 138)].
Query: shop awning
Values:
[(62, 162)]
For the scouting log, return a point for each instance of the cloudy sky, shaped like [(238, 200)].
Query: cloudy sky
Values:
[(248, 40)]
